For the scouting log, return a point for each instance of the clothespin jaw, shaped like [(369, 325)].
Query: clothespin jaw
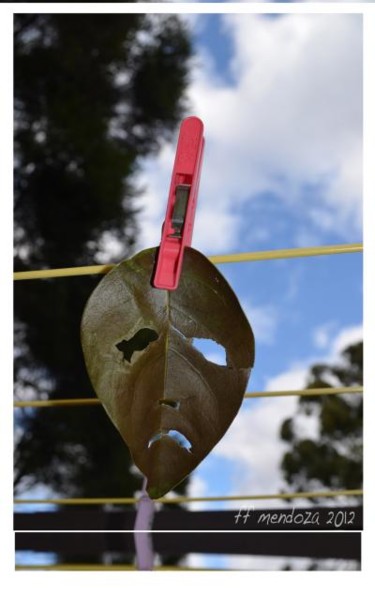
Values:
[(177, 230)]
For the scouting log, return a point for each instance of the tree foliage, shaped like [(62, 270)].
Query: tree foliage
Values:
[(93, 95), (332, 458)]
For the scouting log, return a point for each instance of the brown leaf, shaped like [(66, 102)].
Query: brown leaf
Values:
[(170, 404)]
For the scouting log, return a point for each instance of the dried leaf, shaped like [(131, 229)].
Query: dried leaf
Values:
[(170, 404)]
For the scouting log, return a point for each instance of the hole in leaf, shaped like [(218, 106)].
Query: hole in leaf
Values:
[(174, 435), (171, 403), (138, 342), (211, 350)]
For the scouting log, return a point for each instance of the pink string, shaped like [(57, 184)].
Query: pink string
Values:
[(142, 538)]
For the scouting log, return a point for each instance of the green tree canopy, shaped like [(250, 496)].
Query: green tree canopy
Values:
[(334, 458), (94, 94)]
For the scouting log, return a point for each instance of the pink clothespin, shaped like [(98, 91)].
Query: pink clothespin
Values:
[(177, 230)]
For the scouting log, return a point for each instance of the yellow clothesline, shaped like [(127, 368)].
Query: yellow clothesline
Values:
[(253, 394), (181, 499), (296, 252)]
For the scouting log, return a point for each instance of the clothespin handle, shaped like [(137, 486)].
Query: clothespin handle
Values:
[(177, 230)]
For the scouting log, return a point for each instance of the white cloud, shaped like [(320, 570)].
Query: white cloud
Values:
[(198, 487), (263, 320), (293, 118), (347, 336), (154, 184), (296, 110), (322, 334)]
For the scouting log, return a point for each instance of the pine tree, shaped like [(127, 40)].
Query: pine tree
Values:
[(94, 94)]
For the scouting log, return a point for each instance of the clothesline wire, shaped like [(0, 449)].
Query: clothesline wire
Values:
[(253, 394), (297, 252), (186, 499)]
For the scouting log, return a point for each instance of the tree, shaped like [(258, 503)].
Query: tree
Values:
[(334, 458), (93, 95)]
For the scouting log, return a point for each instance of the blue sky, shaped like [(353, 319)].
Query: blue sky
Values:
[(280, 98)]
